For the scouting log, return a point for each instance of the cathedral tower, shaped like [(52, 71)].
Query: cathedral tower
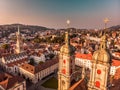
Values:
[(99, 75), (18, 43), (66, 64)]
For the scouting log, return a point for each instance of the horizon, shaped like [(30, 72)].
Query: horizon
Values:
[(53, 14), (56, 28)]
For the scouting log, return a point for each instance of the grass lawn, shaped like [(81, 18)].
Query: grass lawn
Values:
[(51, 83)]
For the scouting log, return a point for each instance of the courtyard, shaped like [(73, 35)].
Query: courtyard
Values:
[(51, 83)]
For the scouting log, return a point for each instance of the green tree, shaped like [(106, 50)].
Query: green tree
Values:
[(41, 62), (32, 61), (5, 46)]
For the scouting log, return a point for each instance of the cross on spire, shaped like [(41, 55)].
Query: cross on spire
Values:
[(103, 38), (106, 20), (68, 23)]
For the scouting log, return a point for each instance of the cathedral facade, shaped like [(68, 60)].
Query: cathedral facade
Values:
[(100, 71), (66, 64)]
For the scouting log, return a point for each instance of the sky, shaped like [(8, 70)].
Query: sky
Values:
[(54, 13)]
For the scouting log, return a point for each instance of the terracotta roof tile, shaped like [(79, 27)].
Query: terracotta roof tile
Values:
[(7, 81), (115, 62), (17, 62), (80, 85), (39, 67), (89, 57), (84, 56)]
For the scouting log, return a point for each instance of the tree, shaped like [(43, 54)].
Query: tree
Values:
[(32, 62), (41, 62), (5, 46), (51, 56), (37, 40)]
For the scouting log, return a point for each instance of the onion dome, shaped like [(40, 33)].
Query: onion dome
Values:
[(102, 55)]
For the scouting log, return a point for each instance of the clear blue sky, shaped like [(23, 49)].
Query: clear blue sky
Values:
[(54, 13)]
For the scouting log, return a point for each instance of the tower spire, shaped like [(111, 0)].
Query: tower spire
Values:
[(106, 20), (18, 30), (18, 44), (67, 39), (103, 44), (66, 63), (101, 64)]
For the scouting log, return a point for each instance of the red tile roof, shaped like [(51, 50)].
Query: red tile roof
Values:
[(117, 53), (116, 83), (39, 67), (80, 85), (89, 57), (84, 56), (115, 62), (17, 62), (7, 81), (117, 74)]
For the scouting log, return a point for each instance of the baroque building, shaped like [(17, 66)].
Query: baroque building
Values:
[(66, 65), (100, 71), (38, 72), (10, 82), (11, 63)]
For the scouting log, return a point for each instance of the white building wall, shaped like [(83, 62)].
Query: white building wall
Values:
[(39, 75), (87, 64)]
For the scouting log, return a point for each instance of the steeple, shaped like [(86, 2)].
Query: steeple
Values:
[(106, 20), (67, 39), (18, 43), (100, 66), (18, 30), (103, 44), (66, 63), (67, 48)]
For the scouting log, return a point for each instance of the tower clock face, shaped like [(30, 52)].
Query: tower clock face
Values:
[(63, 71), (97, 84), (64, 61), (98, 71)]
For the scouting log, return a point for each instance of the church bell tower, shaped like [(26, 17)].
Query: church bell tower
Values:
[(100, 71), (66, 64), (18, 43)]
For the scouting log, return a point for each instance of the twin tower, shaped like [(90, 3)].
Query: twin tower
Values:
[(99, 73)]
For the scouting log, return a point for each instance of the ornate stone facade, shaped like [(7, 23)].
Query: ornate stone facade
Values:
[(66, 64), (100, 71)]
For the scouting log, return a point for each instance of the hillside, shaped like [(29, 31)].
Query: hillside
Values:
[(22, 26)]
